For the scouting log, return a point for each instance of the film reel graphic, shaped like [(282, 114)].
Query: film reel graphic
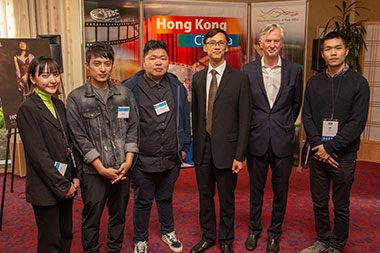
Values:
[(107, 26), (113, 33)]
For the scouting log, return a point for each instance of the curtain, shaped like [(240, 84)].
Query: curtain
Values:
[(29, 18), (7, 30)]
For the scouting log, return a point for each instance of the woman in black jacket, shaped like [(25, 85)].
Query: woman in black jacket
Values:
[(51, 180)]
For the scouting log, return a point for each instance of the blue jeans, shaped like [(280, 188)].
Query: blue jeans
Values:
[(321, 175)]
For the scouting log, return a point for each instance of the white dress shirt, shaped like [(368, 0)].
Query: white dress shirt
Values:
[(219, 73), (272, 80)]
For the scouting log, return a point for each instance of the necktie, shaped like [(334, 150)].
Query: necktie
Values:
[(211, 98)]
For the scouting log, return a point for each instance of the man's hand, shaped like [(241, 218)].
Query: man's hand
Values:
[(325, 157), (109, 173), (76, 183), (237, 166), (124, 167), (184, 154), (70, 193)]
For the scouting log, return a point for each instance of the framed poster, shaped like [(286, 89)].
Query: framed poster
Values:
[(15, 57)]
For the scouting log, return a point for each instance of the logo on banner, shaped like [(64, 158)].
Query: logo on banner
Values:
[(190, 30), (105, 15), (196, 40), (193, 25), (277, 13)]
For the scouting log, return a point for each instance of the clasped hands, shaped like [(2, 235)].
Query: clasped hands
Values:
[(73, 188), (325, 157), (116, 175)]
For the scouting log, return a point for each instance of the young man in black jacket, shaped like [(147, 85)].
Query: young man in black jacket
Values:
[(334, 115)]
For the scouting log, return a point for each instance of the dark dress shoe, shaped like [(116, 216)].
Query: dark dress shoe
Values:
[(251, 242), (201, 246), (273, 246), (226, 248)]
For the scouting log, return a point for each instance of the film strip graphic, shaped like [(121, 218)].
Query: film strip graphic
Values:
[(126, 32)]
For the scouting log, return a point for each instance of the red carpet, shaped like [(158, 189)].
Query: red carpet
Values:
[(19, 232)]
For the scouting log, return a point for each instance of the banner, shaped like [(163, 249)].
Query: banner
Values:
[(116, 23), (182, 26), (291, 15), (15, 57)]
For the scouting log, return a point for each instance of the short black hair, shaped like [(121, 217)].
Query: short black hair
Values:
[(213, 32), (333, 35), (155, 44), (99, 49)]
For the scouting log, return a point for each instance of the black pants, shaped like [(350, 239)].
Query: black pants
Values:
[(207, 175), (321, 175), (54, 225), (96, 192), (149, 186), (258, 171)]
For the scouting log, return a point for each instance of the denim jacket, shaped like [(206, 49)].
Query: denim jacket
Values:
[(182, 104), (98, 130)]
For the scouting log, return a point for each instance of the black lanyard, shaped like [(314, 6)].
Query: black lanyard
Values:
[(334, 98), (69, 151)]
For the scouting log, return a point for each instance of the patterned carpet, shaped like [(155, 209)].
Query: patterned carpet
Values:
[(19, 232)]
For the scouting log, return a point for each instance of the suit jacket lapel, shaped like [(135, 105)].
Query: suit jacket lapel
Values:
[(284, 80), (45, 112), (260, 80), (203, 93), (224, 81)]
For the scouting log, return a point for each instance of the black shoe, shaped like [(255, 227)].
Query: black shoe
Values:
[(226, 248), (273, 246), (251, 242), (201, 246)]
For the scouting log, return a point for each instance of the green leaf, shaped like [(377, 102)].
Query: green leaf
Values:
[(352, 32)]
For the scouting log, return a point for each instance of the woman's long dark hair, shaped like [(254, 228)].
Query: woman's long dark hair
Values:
[(19, 51)]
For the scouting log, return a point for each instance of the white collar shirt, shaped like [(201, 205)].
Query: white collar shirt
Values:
[(272, 80), (219, 73)]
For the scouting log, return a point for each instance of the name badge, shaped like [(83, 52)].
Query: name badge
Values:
[(61, 167), (123, 112), (329, 129), (161, 107)]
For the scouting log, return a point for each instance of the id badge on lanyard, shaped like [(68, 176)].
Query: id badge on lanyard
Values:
[(330, 126), (329, 129), (61, 167)]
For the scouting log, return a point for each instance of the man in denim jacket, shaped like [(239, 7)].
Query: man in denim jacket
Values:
[(164, 140), (103, 123)]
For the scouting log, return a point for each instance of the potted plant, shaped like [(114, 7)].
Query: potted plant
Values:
[(353, 32)]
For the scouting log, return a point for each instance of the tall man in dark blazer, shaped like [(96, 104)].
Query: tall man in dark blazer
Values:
[(276, 86), (221, 107)]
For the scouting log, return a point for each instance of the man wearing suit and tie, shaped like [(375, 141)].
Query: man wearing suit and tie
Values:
[(276, 86), (221, 107)]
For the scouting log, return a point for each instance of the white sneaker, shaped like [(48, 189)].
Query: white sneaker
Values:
[(331, 250), (317, 247), (141, 247), (171, 240)]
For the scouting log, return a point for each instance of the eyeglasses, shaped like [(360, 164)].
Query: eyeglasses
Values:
[(213, 43)]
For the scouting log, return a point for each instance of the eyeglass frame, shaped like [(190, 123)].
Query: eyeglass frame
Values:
[(213, 43)]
